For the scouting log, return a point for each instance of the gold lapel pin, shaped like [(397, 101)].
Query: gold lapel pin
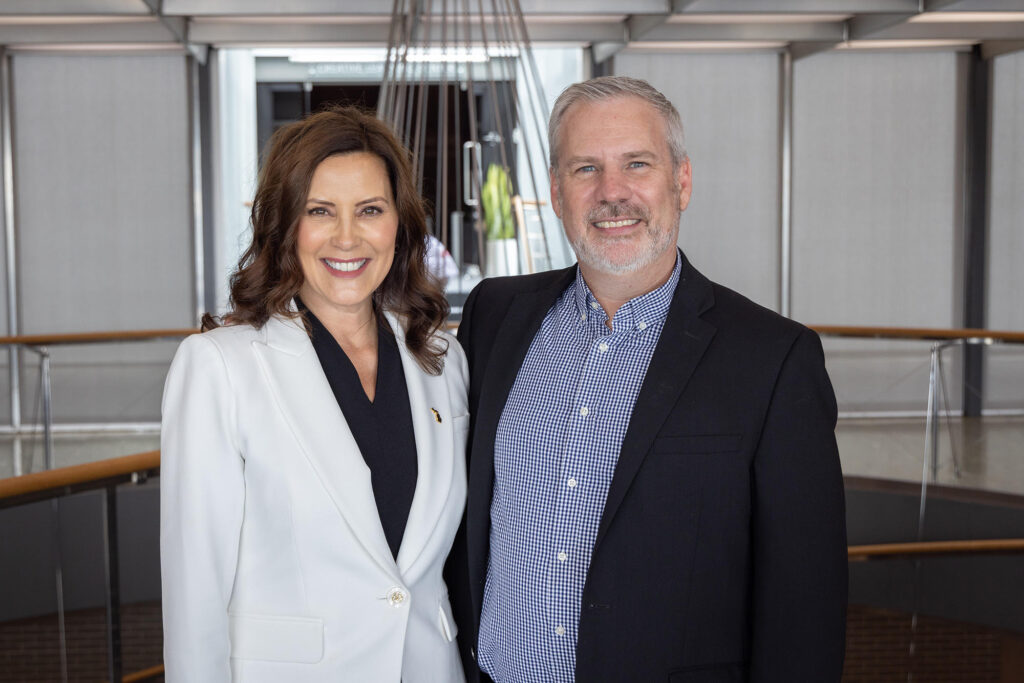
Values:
[(437, 415)]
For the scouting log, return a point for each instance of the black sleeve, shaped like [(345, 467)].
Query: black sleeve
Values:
[(799, 528)]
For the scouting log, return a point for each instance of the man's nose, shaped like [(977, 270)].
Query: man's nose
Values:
[(614, 186)]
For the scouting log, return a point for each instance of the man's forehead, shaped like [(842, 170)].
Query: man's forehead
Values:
[(585, 108), (626, 126)]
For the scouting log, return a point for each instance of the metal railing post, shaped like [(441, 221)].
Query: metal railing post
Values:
[(113, 575), (44, 380)]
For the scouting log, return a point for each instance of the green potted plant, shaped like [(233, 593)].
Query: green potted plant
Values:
[(496, 195)]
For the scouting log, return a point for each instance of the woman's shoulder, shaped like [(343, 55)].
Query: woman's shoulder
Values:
[(225, 340)]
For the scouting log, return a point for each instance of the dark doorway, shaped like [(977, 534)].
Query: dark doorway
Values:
[(442, 187)]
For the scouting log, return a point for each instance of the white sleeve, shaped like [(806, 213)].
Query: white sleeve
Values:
[(202, 497)]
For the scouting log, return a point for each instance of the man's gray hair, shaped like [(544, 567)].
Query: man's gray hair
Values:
[(606, 87)]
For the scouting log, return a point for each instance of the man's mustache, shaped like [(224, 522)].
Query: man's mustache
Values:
[(609, 210)]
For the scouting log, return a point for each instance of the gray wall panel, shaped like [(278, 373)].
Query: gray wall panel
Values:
[(104, 218), (876, 220), (730, 109), (1005, 366)]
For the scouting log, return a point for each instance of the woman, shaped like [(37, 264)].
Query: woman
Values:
[(312, 473)]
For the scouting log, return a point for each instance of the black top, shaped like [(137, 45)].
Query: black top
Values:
[(382, 428)]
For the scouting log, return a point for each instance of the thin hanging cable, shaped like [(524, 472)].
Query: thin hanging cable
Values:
[(416, 68), (529, 157), (441, 184)]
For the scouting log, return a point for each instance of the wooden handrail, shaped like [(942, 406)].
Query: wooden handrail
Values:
[(143, 674), (922, 333), (858, 553), (149, 461), (77, 475), (97, 337)]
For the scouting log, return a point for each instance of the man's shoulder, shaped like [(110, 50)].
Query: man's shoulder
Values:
[(493, 289), (733, 313)]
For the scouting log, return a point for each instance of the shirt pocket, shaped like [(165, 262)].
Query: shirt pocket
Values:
[(698, 443), (276, 638), (445, 621)]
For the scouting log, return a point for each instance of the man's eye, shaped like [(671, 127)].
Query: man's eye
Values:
[(590, 168), (637, 164)]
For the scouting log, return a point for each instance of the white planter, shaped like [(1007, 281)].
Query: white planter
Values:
[(502, 257)]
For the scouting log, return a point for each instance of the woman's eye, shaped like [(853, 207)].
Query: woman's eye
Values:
[(373, 211), (317, 211)]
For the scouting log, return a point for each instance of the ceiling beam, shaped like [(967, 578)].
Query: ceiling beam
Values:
[(179, 29), (135, 31), (994, 48), (638, 25), (799, 6), (817, 31), (72, 7), (635, 27), (866, 26)]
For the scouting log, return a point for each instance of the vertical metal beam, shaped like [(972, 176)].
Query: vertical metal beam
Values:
[(58, 586), (195, 129), (785, 183), (10, 251), (113, 583), (604, 67), (203, 122), (976, 171), (44, 382)]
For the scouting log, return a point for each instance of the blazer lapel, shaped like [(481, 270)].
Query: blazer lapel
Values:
[(683, 342), (298, 384), (435, 451)]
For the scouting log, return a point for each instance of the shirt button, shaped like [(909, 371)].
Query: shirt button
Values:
[(560, 630), (641, 325), (602, 347), (571, 482), (584, 411), (562, 557), (396, 596), (583, 316), (595, 305)]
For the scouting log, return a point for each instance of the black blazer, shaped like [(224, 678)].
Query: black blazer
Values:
[(721, 553)]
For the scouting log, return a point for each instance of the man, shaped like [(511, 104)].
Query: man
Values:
[(654, 484)]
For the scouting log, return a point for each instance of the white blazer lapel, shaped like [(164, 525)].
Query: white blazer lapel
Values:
[(435, 459), (305, 398)]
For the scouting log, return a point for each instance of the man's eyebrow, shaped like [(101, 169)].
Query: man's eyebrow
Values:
[(580, 160)]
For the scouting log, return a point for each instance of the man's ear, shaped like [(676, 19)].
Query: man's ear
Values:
[(684, 178), (556, 199)]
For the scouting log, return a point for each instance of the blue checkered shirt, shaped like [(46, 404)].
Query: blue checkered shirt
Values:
[(555, 452)]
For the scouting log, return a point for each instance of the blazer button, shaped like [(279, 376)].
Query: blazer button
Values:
[(396, 597)]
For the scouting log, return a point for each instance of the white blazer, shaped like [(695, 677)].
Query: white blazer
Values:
[(274, 562)]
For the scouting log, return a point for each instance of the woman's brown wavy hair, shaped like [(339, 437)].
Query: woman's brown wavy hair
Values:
[(269, 274)]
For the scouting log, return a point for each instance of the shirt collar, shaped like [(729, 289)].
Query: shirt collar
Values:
[(638, 313)]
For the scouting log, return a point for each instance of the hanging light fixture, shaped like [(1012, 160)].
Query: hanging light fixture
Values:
[(462, 90)]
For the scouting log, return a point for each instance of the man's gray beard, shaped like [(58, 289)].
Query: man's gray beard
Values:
[(661, 241)]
